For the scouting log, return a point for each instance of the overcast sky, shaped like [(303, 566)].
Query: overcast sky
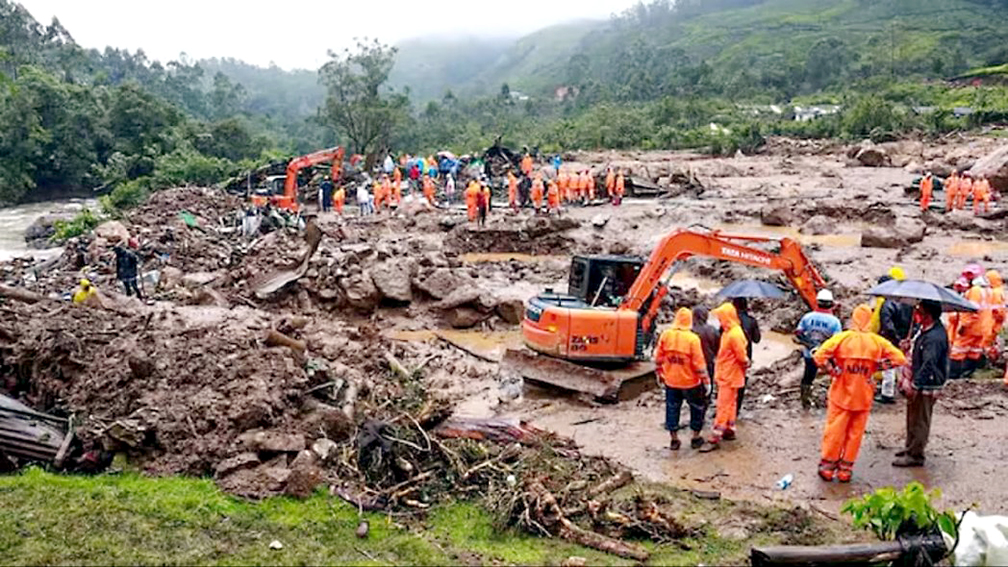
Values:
[(296, 33)]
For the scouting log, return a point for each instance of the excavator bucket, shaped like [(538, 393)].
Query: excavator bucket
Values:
[(599, 383)]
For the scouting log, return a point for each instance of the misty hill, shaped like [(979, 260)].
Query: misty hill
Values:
[(747, 48)]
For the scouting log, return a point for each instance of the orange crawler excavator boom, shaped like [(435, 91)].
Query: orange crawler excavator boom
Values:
[(289, 198), (608, 315)]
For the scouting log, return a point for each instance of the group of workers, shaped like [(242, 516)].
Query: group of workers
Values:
[(914, 348), (958, 189), (565, 188), (127, 268)]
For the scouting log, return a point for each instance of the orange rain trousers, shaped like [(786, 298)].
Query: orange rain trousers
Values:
[(727, 409), (843, 434), (927, 190)]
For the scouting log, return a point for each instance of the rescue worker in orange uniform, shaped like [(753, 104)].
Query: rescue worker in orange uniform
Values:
[(981, 195), (394, 189), (729, 373), (512, 191), (996, 301), (591, 185), (951, 191), (851, 358), (339, 199), (379, 194), (428, 188), (582, 193), (620, 188), (610, 183), (471, 193), (682, 371), (553, 197), (965, 190), (563, 183), (526, 165), (926, 191), (537, 192), (966, 353), (396, 180)]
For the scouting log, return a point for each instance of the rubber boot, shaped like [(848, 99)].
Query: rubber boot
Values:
[(844, 471), (827, 470), (806, 396)]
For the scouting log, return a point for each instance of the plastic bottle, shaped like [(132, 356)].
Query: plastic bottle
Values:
[(785, 482)]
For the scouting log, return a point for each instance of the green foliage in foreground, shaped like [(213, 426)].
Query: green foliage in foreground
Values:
[(129, 519), (887, 512)]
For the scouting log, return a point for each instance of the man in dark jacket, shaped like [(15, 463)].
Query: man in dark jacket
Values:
[(930, 366), (710, 336), (752, 334), (127, 265)]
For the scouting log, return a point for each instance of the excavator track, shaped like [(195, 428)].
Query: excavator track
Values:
[(602, 384)]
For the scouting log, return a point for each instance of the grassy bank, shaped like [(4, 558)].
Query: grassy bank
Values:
[(130, 519)]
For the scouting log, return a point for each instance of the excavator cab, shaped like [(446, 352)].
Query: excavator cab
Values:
[(602, 281)]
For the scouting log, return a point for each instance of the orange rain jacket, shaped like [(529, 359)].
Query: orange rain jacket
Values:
[(339, 198), (512, 189), (553, 195), (731, 363), (679, 356), (610, 182), (620, 185), (997, 299), (526, 165), (856, 354), (537, 192)]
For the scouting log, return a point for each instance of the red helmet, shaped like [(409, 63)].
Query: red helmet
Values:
[(134, 243)]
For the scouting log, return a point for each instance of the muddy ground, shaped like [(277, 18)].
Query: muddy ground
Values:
[(190, 383)]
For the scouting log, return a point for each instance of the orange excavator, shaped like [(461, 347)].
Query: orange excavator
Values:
[(288, 199), (598, 334)]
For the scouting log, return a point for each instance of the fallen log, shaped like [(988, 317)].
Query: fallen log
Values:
[(276, 338), (853, 554), (397, 367), (617, 481), (22, 295)]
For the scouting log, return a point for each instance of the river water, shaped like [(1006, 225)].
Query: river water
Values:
[(14, 221)]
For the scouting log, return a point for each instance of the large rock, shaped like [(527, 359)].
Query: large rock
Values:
[(305, 475), (819, 224), (199, 279), (510, 310), (464, 295), (272, 441), (777, 215), (113, 231), (873, 156), (237, 463), (464, 317), (360, 291), (905, 231), (439, 284), (995, 167), (42, 229), (392, 278)]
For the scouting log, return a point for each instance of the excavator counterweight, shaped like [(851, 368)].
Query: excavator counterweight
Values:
[(600, 333)]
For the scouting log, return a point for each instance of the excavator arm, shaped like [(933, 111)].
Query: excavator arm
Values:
[(648, 289), (335, 155)]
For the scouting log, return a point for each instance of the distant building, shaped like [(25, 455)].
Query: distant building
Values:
[(809, 113)]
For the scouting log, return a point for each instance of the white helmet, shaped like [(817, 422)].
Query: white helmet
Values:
[(824, 296)]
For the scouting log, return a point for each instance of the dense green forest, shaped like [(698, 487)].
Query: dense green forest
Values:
[(712, 74)]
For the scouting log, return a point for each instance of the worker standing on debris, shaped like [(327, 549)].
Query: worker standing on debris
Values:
[(365, 200), (710, 336), (553, 197), (981, 195), (512, 182), (996, 300), (813, 330), (325, 195), (750, 327), (682, 370), (84, 292), (537, 192), (127, 266), (926, 191), (583, 186), (339, 198), (729, 373), (851, 358), (563, 183), (965, 190), (610, 183), (951, 191), (591, 185), (557, 162), (620, 188), (967, 353), (471, 193), (449, 188), (526, 165), (428, 188), (379, 194), (929, 371), (482, 203)]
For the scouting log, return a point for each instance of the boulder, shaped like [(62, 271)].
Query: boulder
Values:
[(600, 220), (305, 475), (464, 317), (995, 167), (324, 448), (272, 441), (237, 463), (819, 224), (42, 229), (208, 296), (113, 231), (510, 310), (439, 284), (360, 291), (392, 278), (199, 279), (171, 277), (873, 156), (914, 168), (777, 215), (903, 232), (332, 422), (463, 295)]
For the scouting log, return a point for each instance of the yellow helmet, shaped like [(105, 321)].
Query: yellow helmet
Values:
[(85, 282), (897, 273)]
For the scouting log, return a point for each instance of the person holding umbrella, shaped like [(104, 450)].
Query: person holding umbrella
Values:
[(930, 371)]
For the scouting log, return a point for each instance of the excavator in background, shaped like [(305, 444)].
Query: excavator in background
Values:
[(288, 198), (600, 333)]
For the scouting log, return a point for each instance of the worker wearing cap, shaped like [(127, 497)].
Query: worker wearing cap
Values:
[(815, 328), (926, 191), (851, 358), (682, 371)]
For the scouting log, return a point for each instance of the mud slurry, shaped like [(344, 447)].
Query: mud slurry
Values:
[(190, 383)]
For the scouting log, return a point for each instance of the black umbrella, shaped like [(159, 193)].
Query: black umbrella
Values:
[(912, 291), (750, 288)]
